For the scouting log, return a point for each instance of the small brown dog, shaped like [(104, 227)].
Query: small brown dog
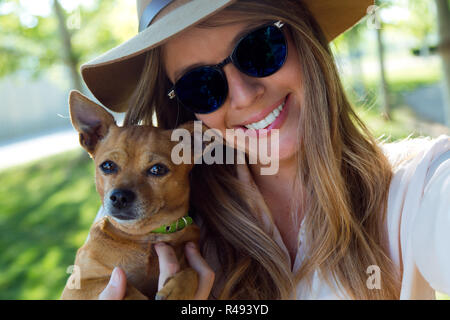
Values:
[(146, 199)]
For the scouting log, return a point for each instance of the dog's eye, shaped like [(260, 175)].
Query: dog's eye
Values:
[(158, 170), (109, 167)]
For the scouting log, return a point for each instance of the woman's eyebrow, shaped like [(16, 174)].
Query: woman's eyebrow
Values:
[(181, 72), (238, 37), (248, 28)]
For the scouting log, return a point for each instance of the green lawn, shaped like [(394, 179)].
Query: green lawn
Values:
[(46, 211)]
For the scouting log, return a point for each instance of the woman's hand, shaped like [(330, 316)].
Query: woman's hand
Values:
[(169, 265), (115, 290)]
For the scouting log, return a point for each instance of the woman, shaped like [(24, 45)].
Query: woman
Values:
[(337, 219)]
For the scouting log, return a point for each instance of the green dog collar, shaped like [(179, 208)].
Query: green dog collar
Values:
[(174, 226)]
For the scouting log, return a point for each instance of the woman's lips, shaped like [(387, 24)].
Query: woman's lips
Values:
[(263, 114), (276, 124)]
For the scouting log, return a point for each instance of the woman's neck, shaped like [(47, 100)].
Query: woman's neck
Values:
[(284, 174), (278, 193), (277, 189)]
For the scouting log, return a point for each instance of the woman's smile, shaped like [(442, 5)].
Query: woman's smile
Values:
[(273, 120)]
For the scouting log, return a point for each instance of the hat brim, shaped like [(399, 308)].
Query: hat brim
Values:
[(113, 76)]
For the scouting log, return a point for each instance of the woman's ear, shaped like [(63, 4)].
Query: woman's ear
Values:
[(90, 119)]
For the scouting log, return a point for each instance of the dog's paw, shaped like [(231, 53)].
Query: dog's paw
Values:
[(182, 286), (159, 296)]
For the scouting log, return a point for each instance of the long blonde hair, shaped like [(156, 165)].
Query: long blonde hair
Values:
[(340, 165)]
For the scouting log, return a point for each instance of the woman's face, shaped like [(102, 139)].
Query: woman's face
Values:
[(249, 99)]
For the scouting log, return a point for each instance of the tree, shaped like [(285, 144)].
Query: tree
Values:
[(421, 23), (444, 49), (350, 43), (70, 58), (34, 42), (354, 45), (384, 86)]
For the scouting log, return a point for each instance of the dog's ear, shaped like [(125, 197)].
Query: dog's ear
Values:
[(198, 131), (90, 119)]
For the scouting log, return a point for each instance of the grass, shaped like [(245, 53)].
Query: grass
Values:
[(414, 77), (403, 122), (47, 209)]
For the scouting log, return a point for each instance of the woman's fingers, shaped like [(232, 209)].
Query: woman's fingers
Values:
[(115, 290), (169, 266), (168, 263), (205, 273)]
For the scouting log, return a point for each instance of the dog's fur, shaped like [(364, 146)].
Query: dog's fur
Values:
[(123, 238)]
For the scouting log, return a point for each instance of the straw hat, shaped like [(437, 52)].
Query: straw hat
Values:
[(113, 76)]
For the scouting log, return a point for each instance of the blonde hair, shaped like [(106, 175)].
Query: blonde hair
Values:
[(340, 166)]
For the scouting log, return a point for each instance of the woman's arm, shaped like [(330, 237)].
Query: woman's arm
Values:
[(431, 230)]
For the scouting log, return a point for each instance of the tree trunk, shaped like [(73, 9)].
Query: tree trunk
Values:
[(443, 11), (354, 42), (69, 57), (385, 104)]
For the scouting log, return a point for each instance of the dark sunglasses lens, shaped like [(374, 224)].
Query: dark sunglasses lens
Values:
[(262, 52), (202, 90)]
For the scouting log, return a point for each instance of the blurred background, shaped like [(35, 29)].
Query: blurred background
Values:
[(395, 66)]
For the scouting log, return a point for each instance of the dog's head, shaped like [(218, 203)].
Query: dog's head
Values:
[(140, 185)]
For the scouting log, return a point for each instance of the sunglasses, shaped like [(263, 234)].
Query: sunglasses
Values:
[(259, 54)]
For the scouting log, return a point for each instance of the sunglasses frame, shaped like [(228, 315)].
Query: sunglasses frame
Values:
[(230, 59)]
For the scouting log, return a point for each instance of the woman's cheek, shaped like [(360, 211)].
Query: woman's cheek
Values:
[(215, 121)]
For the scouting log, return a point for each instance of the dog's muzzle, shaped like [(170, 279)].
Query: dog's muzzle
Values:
[(120, 203)]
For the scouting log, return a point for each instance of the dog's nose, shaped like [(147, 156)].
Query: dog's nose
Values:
[(122, 198)]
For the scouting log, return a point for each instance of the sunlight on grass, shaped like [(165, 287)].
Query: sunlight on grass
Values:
[(47, 209), (410, 78), (401, 125)]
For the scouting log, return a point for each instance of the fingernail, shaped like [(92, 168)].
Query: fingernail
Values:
[(160, 245), (115, 278)]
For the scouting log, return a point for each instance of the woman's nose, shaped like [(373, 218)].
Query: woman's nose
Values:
[(243, 91)]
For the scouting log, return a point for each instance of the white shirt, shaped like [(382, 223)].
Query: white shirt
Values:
[(419, 220)]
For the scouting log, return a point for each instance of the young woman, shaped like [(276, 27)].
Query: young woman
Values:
[(345, 216)]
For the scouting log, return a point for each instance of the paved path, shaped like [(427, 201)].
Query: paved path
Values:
[(427, 102), (36, 148)]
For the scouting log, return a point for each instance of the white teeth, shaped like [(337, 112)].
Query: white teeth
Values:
[(267, 120)]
